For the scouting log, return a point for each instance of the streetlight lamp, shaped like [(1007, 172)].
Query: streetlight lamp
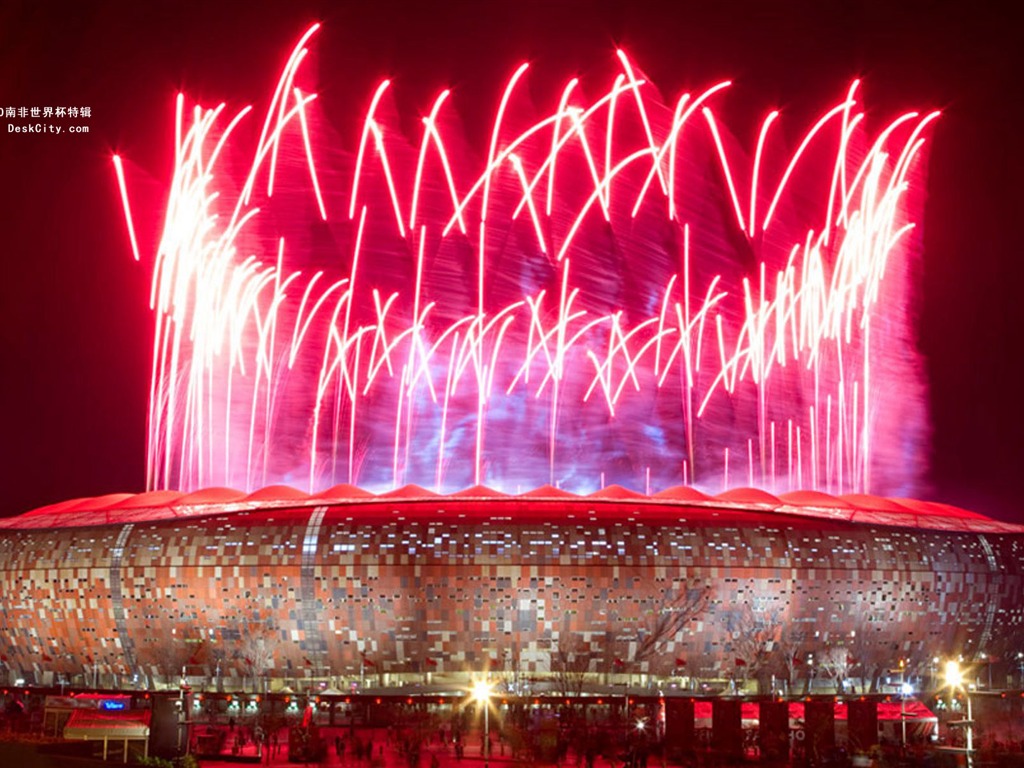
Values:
[(955, 679), (182, 707), (906, 689), (638, 746), (482, 694)]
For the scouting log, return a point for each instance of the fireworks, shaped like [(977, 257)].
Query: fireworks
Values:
[(608, 290)]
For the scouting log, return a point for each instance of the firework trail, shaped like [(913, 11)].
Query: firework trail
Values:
[(614, 292)]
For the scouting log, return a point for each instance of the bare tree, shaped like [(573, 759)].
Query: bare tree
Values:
[(510, 666), (787, 653), (700, 665), (174, 654), (998, 658), (871, 657), (608, 651), (258, 642), (754, 637), (835, 663), (667, 620), (571, 663)]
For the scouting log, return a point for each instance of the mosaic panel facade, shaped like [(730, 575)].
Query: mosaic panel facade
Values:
[(337, 591)]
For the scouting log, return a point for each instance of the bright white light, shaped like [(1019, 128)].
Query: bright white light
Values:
[(907, 689), (481, 690), (953, 675)]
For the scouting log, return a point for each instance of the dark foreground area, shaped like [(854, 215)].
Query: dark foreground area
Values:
[(377, 748)]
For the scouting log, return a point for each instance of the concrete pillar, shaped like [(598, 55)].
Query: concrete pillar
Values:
[(727, 726), (773, 729), (862, 725), (679, 727), (820, 722)]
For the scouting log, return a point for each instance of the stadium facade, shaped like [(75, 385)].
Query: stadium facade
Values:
[(277, 587)]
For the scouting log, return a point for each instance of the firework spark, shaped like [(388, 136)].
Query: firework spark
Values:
[(619, 294)]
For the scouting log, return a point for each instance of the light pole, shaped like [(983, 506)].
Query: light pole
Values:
[(907, 690), (182, 713), (482, 695), (902, 702), (637, 745), (955, 679)]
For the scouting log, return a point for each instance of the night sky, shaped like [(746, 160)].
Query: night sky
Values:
[(76, 329)]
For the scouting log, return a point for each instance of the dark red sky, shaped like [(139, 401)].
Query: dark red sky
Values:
[(75, 326)]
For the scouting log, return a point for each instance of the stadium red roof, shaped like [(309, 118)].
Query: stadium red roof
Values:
[(616, 492), (682, 493), (614, 503), (343, 491)]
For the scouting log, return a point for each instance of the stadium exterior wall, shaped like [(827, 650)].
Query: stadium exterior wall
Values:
[(377, 590)]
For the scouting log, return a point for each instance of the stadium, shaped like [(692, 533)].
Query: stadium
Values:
[(648, 328), (546, 591), (690, 310)]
